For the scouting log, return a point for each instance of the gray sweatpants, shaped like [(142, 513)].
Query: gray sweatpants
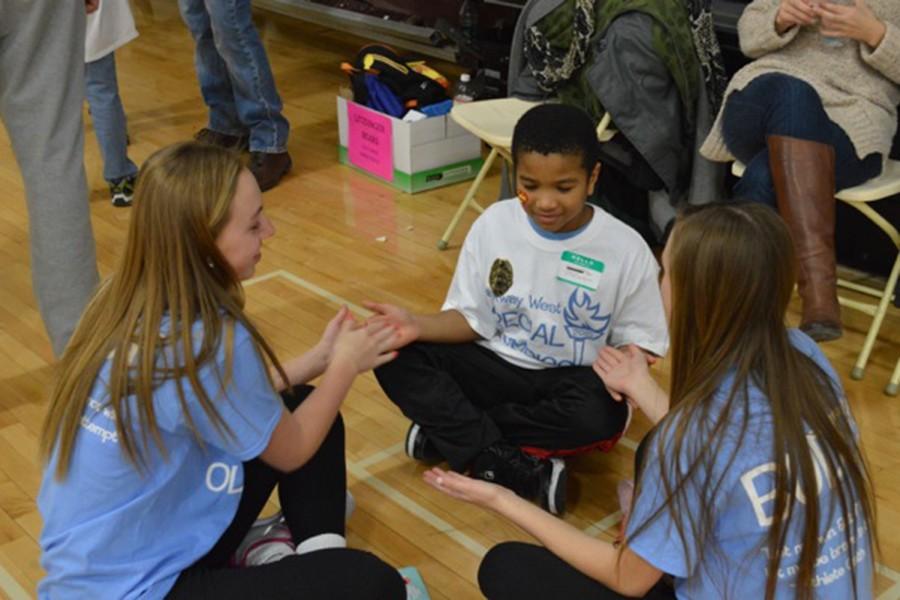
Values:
[(41, 95)]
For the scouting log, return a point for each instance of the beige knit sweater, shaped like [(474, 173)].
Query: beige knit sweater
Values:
[(858, 85)]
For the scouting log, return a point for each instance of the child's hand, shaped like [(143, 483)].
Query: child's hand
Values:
[(364, 346), (325, 347), (626, 375), (621, 370), (476, 491), (393, 316)]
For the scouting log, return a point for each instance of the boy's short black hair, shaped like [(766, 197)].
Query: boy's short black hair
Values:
[(557, 129)]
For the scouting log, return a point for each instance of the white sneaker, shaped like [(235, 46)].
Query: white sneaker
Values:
[(268, 540)]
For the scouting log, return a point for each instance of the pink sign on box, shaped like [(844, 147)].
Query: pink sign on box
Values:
[(370, 143)]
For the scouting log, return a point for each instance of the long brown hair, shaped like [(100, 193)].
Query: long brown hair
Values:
[(732, 274), (171, 272)]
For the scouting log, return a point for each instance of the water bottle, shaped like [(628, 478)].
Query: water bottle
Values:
[(836, 42), (464, 91)]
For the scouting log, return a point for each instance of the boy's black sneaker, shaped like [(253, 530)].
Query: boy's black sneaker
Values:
[(536, 479), (419, 447)]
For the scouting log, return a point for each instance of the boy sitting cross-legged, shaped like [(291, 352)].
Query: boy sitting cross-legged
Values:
[(542, 283)]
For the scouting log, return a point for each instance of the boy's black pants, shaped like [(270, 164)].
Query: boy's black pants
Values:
[(466, 398)]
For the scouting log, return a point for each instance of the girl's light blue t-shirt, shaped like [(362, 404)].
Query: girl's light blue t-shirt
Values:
[(111, 531), (734, 561)]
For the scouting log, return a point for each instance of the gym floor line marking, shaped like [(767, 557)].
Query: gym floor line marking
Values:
[(603, 524), (417, 509), (11, 587), (893, 592), (319, 291), (359, 468), (379, 456)]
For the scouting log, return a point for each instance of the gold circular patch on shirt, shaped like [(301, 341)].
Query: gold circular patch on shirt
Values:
[(501, 277)]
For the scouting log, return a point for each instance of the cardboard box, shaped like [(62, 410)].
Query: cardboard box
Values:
[(410, 156)]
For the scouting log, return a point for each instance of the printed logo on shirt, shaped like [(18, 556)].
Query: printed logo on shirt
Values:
[(106, 434), (583, 320), (222, 477), (834, 561)]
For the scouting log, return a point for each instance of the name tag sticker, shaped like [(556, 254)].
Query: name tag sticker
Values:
[(580, 270)]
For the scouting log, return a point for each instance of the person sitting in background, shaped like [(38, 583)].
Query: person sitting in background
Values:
[(814, 112)]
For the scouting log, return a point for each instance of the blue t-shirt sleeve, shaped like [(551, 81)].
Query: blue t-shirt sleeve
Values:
[(659, 542), (249, 406)]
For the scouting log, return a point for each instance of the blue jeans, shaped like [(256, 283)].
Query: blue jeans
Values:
[(235, 78), (108, 116), (776, 104)]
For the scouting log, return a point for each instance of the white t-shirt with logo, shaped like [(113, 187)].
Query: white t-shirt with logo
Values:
[(544, 300), (109, 27), (111, 531)]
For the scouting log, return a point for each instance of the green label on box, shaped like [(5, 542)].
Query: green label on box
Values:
[(428, 179)]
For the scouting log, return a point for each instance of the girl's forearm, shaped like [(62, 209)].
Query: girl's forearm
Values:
[(300, 369)]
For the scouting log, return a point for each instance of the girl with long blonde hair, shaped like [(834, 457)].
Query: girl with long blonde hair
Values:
[(752, 483), (166, 434)]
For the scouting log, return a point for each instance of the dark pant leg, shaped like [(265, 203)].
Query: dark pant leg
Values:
[(335, 574), (776, 104), (570, 408), (312, 501), (520, 571), (445, 388), (313, 498)]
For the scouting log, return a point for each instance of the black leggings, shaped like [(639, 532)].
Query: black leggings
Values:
[(520, 571), (313, 499)]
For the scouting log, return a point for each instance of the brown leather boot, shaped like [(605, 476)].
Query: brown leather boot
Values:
[(803, 174), (269, 168)]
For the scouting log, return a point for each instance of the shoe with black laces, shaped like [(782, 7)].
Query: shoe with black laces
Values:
[(121, 191), (419, 447), (536, 479), (232, 142)]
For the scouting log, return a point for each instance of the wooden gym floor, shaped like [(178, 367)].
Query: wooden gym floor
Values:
[(341, 238)]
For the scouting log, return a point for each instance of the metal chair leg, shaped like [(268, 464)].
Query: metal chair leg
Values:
[(469, 199), (893, 385), (859, 368)]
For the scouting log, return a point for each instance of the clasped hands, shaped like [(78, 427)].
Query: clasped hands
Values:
[(855, 21)]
